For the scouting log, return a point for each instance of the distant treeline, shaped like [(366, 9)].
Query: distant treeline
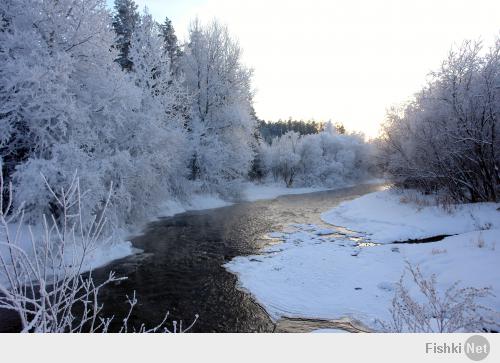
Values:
[(270, 129)]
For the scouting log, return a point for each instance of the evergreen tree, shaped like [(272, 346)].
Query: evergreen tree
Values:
[(257, 166), (147, 54), (270, 130), (340, 128), (171, 45), (124, 23)]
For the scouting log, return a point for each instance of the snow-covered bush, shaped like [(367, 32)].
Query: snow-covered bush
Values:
[(430, 311), (324, 159), (448, 137), (41, 278)]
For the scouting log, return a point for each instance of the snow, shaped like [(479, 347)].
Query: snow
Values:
[(329, 331), (103, 253), (197, 202), (314, 276), (385, 219), (253, 192)]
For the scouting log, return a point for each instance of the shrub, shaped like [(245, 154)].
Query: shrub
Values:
[(455, 310)]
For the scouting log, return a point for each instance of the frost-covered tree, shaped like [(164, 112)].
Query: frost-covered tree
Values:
[(164, 150), (150, 62), (221, 125), (124, 22), (66, 105), (257, 168), (171, 45), (152, 71), (448, 137), (61, 95), (283, 157)]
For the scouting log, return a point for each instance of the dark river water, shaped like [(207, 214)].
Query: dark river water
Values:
[(181, 271)]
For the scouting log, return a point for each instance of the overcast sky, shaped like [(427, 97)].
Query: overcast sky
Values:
[(345, 60)]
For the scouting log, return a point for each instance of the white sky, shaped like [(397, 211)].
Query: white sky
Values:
[(345, 60)]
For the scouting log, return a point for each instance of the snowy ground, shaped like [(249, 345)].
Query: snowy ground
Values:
[(323, 274), (386, 219), (253, 192)]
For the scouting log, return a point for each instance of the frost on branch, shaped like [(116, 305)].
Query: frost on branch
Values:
[(41, 279), (431, 311)]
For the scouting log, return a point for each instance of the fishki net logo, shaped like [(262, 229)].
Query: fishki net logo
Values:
[(475, 348)]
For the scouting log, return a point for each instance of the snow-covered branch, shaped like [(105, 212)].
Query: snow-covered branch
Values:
[(429, 310)]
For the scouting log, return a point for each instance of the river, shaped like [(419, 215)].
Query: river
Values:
[(180, 269)]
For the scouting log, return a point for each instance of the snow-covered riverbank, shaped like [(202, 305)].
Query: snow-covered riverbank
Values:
[(251, 192), (99, 255), (387, 216), (319, 273)]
